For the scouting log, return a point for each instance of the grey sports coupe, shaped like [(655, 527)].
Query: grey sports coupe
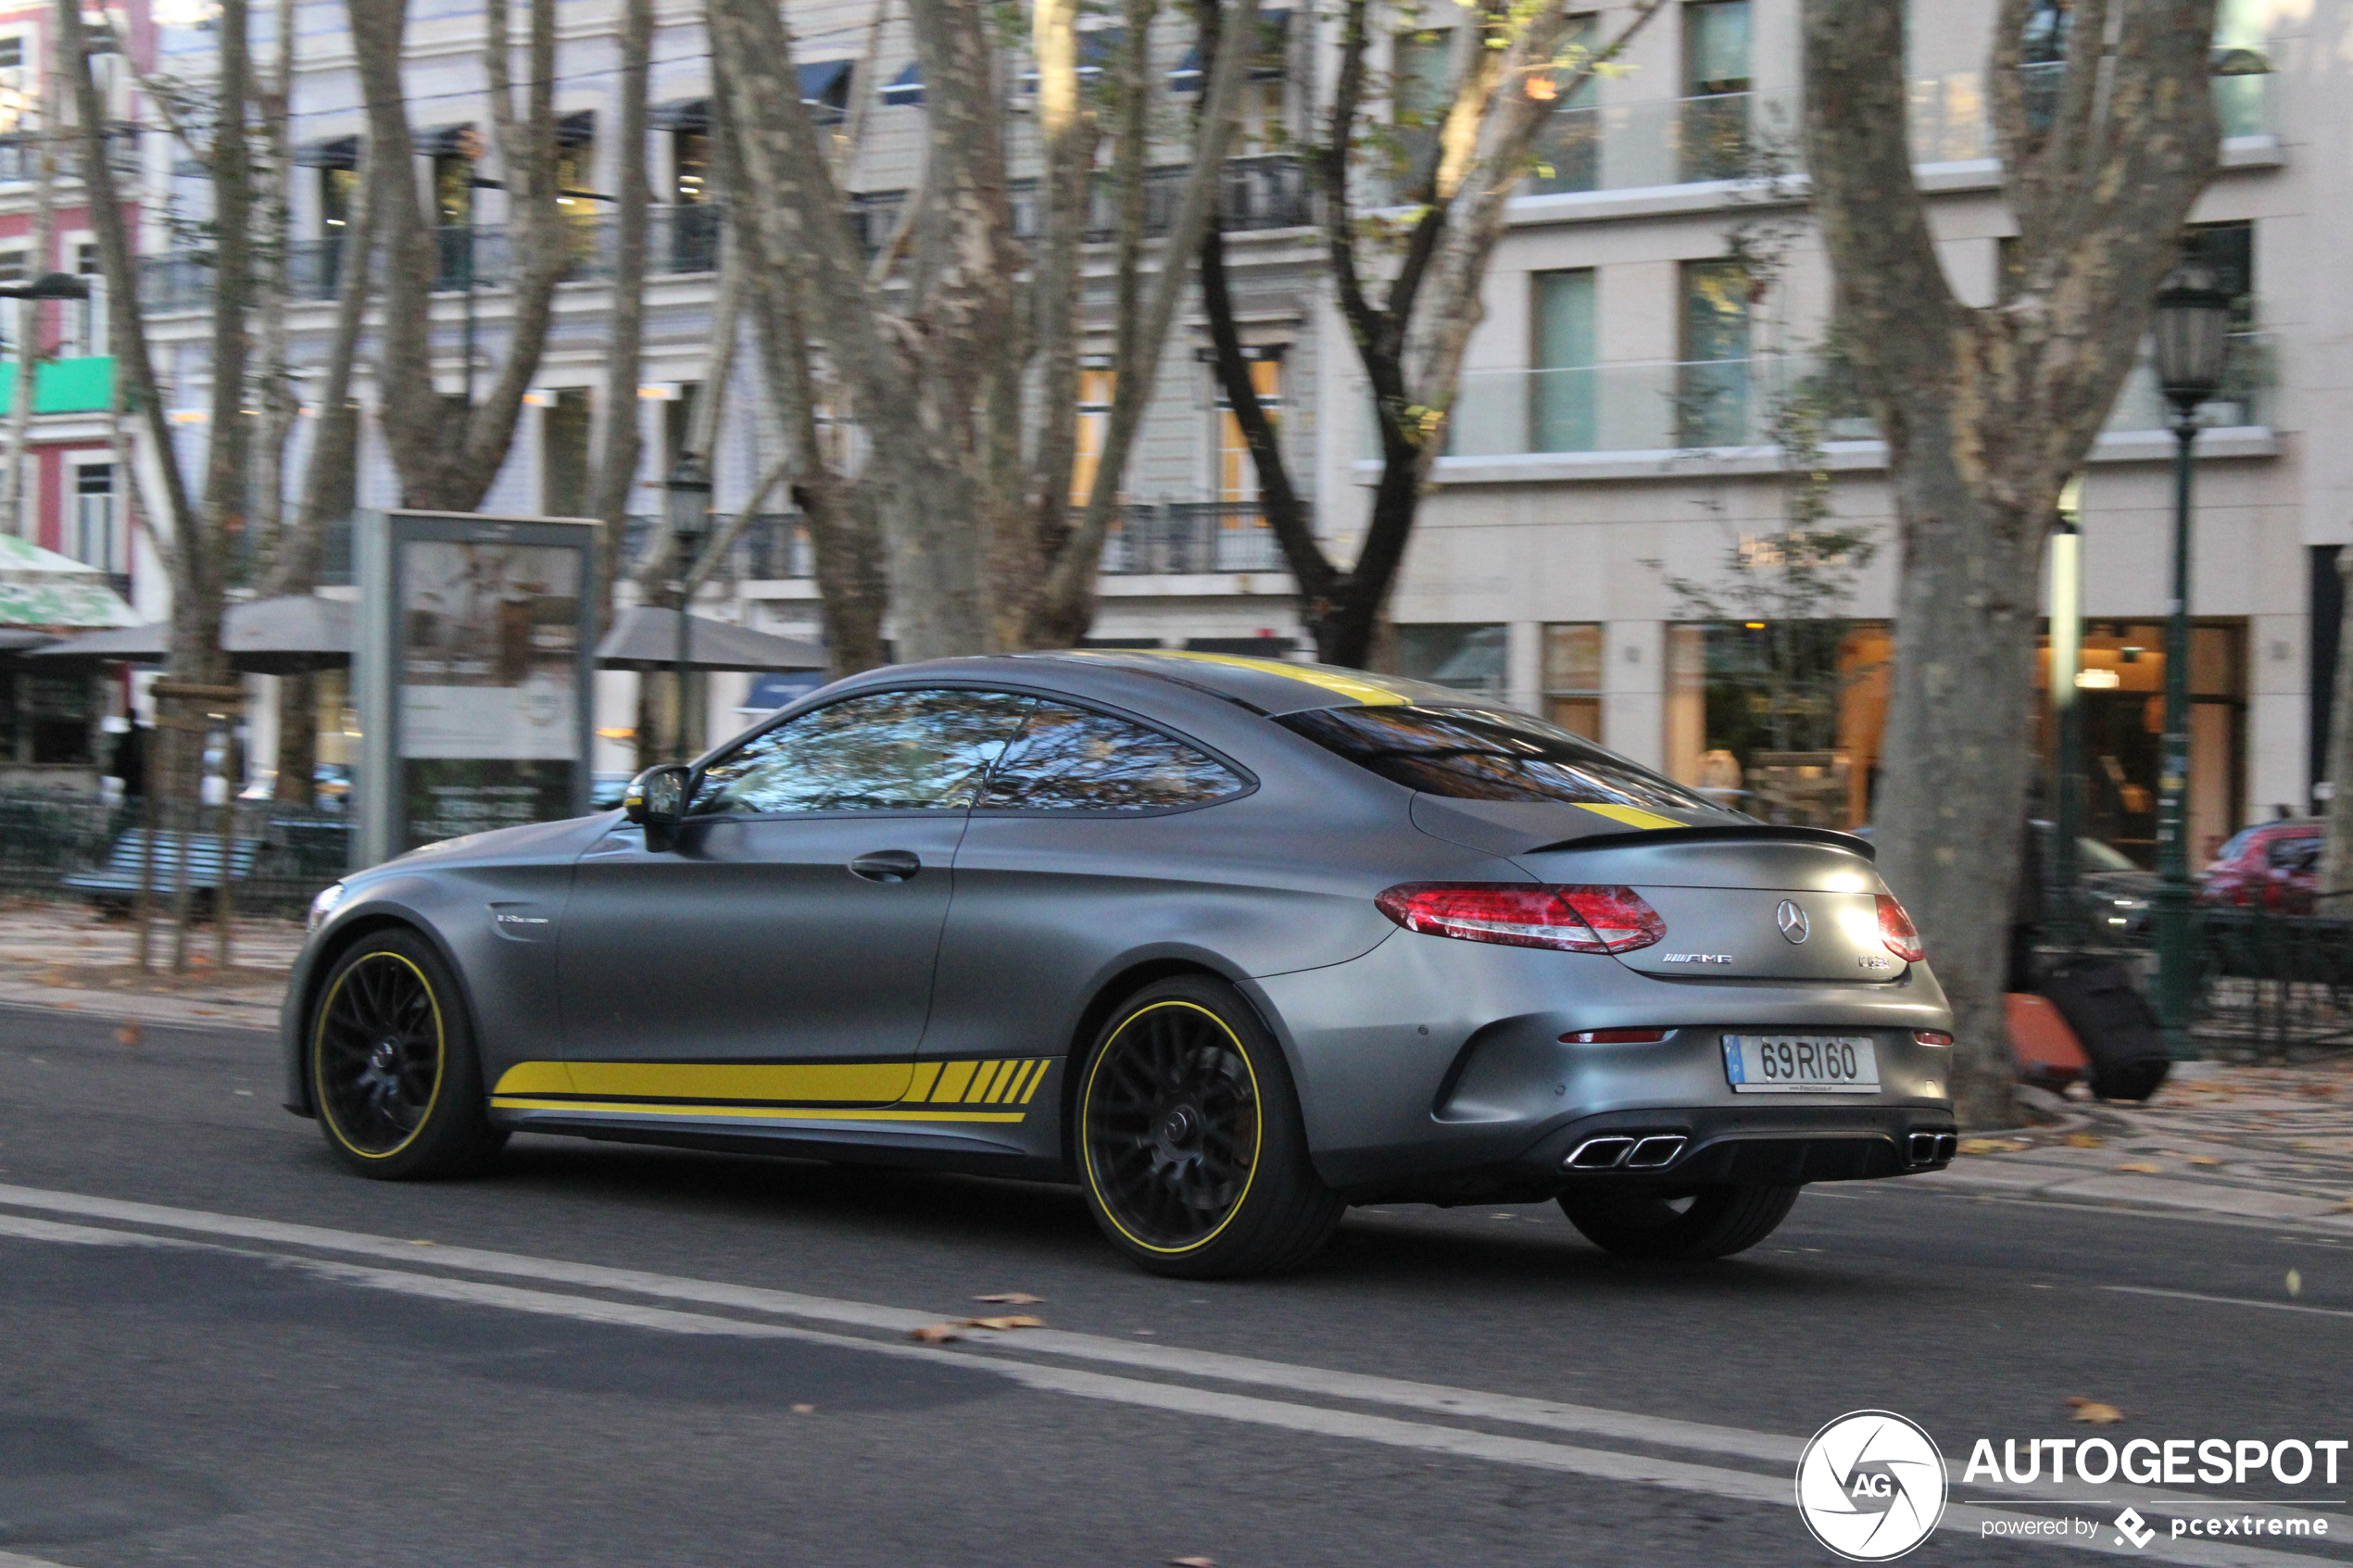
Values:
[(1231, 943)]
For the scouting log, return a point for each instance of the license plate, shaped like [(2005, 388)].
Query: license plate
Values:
[(1801, 1065)]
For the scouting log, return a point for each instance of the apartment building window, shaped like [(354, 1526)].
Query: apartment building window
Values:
[(12, 51), (563, 454), (1711, 393), (99, 537), (1569, 149), (576, 166), (1237, 473), (2228, 251), (1712, 130), (1572, 676), (1418, 94), (694, 222), (1561, 401), (1470, 658), (88, 316), (1096, 384)]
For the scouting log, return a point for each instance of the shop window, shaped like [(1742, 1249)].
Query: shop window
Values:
[(1468, 658), (1573, 677), (1781, 719)]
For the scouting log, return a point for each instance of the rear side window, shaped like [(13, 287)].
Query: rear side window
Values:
[(1482, 755), (1070, 759), (886, 751), (2301, 853)]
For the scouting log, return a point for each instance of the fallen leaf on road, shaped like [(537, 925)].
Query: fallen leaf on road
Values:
[(2093, 1411), (1011, 1298), (2084, 1140), (1019, 1320), (2204, 1160), (934, 1333), (2295, 1282), (128, 1035), (804, 1410), (1991, 1146), (2319, 1091), (1192, 1563), (2141, 1165)]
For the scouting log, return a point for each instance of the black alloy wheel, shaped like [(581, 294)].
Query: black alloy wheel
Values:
[(393, 1071), (1194, 1160)]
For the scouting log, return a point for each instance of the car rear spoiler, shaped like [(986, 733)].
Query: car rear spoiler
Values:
[(1744, 833)]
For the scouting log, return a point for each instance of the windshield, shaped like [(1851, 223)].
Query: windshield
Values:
[(2098, 856), (1467, 754)]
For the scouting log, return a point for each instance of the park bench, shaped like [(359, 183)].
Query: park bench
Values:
[(195, 855)]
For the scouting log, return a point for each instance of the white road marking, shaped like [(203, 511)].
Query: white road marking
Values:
[(2228, 1300), (1601, 1464), (10, 1559)]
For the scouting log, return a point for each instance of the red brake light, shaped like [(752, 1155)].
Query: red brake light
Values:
[(1519, 914), (1613, 1037), (1932, 1037), (1896, 932)]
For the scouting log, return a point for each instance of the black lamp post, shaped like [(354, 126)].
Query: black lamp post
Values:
[(2192, 328), (687, 493)]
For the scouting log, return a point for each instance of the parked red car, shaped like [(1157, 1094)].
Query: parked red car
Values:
[(2273, 865)]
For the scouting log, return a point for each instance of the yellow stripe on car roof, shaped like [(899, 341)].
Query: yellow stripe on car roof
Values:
[(1634, 816), (1370, 693)]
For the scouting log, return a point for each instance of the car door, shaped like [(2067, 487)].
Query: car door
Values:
[(1080, 847), (782, 954)]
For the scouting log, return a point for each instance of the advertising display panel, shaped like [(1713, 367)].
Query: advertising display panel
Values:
[(472, 674)]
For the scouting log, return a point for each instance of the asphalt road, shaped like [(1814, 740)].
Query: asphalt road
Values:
[(273, 1363)]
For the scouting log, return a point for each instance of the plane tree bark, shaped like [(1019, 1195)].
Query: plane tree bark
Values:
[(623, 448), (448, 450), (1410, 289), (1987, 410)]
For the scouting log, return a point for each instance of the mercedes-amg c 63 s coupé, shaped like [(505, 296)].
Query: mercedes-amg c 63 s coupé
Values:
[(1232, 944)]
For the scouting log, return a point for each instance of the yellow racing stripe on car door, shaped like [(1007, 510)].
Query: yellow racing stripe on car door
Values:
[(1035, 1079), (953, 1078)]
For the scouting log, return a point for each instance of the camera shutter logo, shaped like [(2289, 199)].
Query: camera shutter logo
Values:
[(1871, 1486)]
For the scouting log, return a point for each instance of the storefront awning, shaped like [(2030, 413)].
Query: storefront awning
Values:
[(42, 588)]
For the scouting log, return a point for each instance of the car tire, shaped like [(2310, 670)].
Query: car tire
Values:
[(1190, 1144), (1718, 1221), (395, 1078)]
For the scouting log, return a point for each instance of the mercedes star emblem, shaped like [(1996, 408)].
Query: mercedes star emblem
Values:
[(1793, 921)]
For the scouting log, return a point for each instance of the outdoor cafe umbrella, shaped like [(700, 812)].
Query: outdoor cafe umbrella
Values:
[(281, 636), (646, 638)]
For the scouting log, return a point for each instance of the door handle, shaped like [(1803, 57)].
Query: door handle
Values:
[(887, 865)]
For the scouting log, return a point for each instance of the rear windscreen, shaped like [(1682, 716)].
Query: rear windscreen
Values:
[(1467, 754)]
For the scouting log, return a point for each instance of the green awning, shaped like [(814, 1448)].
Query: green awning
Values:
[(63, 386)]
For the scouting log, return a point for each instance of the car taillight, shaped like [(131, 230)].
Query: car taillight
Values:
[(1613, 1037), (1519, 914), (1895, 931), (1930, 1037)]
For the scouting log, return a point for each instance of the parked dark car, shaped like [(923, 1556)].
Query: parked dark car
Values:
[(2272, 866), (1231, 944)]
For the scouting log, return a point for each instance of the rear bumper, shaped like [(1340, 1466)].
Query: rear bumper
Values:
[(1433, 1068)]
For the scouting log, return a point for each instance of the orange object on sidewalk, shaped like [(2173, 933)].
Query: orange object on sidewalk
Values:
[(2048, 1054)]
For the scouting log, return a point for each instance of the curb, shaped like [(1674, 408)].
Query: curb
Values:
[(184, 1012)]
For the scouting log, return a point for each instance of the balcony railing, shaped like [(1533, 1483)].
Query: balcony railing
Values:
[(1180, 538), (1753, 135), (1667, 406)]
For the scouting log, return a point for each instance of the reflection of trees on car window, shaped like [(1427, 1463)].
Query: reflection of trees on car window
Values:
[(1467, 754), (886, 751), (1069, 759)]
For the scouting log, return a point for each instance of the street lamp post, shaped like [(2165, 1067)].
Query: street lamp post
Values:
[(687, 493), (2067, 710), (2192, 336)]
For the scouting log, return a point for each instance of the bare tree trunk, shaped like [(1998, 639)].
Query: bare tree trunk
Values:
[(280, 404), (625, 444), (2336, 852), (449, 454), (30, 348), (1987, 412), (1066, 606)]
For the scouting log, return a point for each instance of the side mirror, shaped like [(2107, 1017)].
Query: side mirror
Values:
[(656, 801)]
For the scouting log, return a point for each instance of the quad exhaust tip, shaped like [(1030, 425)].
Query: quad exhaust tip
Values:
[(1618, 1151), (1932, 1148)]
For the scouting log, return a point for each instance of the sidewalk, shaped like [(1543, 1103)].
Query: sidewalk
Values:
[(66, 956), (2259, 1143)]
